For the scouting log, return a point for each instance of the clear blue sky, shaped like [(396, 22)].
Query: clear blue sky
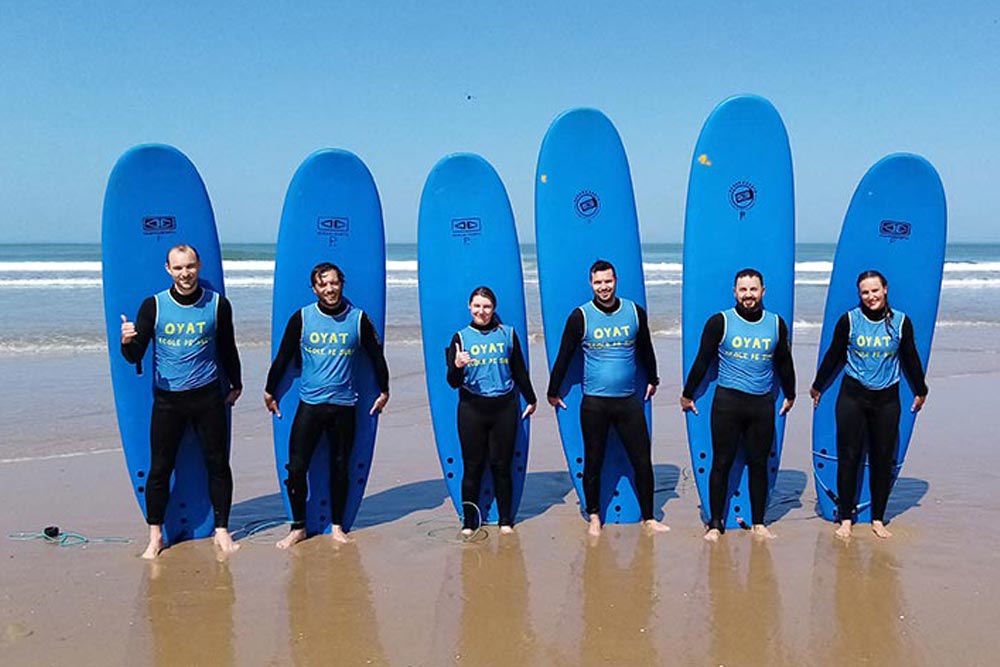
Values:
[(248, 93)]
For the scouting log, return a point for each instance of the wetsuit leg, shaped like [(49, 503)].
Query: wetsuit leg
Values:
[(727, 427), (759, 438), (209, 417), (306, 430), (340, 427), (501, 455), (850, 412), (630, 424), (595, 420), (473, 434), (166, 428), (883, 438)]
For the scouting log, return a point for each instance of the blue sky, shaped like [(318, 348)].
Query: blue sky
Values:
[(249, 92)]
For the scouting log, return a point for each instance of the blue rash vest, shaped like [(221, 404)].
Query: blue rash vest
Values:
[(873, 349), (609, 349), (746, 353), (489, 372), (329, 343), (184, 350)]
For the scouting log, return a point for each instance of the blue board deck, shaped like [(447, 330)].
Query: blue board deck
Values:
[(896, 224), (740, 213), (585, 211), (155, 200), (332, 213), (466, 238)]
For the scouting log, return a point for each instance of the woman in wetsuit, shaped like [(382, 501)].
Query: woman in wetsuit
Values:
[(873, 342), (486, 365)]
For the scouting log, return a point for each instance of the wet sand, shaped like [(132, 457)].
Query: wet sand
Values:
[(407, 592)]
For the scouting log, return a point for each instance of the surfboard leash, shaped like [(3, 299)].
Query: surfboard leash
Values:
[(53, 535)]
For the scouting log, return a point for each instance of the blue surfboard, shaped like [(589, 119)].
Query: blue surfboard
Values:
[(585, 211), (740, 213), (896, 224), (466, 238), (332, 213), (155, 200)]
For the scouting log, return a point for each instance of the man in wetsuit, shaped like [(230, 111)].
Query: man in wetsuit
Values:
[(614, 334), (323, 338), (750, 344), (193, 331)]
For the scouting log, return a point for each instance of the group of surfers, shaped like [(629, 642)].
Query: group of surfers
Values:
[(191, 328)]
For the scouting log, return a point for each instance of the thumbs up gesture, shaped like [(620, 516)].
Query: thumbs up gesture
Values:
[(128, 330), (462, 358)]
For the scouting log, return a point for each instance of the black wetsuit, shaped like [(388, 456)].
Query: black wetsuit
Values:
[(738, 414), (312, 421), (202, 407), (862, 411), (599, 413), (487, 430)]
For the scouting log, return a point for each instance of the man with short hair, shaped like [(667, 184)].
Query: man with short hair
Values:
[(192, 330), (614, 334), (751, 345)]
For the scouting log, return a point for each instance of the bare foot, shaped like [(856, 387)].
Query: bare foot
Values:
[(155, 545), (467, 532), (594, 529), (506, 530), (224, 541), (713, 534), (844, 531), (761, 531), (654, 526), (880, 530), (339, 535), (294, 536)]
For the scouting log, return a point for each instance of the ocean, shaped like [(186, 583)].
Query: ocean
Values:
[(51, 294)]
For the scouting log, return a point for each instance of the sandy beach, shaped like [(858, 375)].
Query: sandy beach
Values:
[(408, 592)]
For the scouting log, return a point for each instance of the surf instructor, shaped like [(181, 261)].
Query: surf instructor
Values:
[(751, 346), (872, 341), (323, 338), (614, 335), (192, 327)]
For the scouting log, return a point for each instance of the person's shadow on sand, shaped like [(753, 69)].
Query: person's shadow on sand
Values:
[(907, 492), (542, 490), (786, 494)]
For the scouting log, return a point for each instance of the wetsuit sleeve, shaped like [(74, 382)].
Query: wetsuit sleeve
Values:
[(572, 335), (711, 336), (289, 351), (909, 359), (836, 354), (519, 371), (644, 348), (783, 364), (145, 325), (456, 375), (225, 344), (373, 346)]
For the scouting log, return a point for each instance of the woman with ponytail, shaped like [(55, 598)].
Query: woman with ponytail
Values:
[(873, 342)]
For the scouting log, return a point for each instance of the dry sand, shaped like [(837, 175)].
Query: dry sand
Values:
[(407, 592)]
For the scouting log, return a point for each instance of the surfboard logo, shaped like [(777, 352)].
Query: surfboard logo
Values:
[(159, 224), (333, 225), (894, 230), (742, 196), (466, 227), (587, 204)]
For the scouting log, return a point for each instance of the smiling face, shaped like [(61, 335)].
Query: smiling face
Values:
[(328, 288), (748, 292), (604, 283), (183, 266), (481, 309), (872, 293)]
